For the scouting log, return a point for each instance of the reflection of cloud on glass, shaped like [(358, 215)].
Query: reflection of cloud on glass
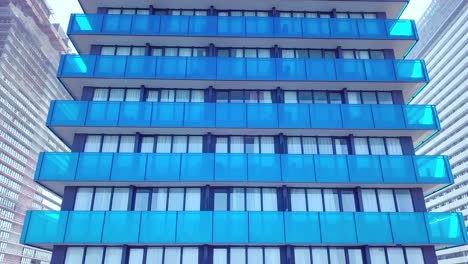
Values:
[(415, 9)]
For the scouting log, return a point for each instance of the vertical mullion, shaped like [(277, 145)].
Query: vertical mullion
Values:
[(104, 249), (85, 250), (92, 198)]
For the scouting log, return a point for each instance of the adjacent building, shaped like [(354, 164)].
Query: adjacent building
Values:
[(242, 132)]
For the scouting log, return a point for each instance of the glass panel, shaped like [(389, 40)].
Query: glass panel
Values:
[(102, 198), (302, 256), (172, 255), (394, 146), (176, 199), (335, 98), (254, 202), (377, 146), (309, 145), (267, 145), (220, 201), (270, 202), (74, 255), (272, 256), (195, 144), (414, 256), (220, 256), (237, 200), (386, 201), (133, 95), (348, 201), (395, 256), (93, 144), (332, 201), (305, 97), (348, 54), (237, 255), (341, 146), (298, 200), (127, 144), (377, 55), (190, 255), (154, 256), (136, 256), (83, 200), (254, 255), (141, 200), (108, 50), (337, 256), (320, 98), (221, 145), (114, 255), (120, 199), (237, 144), (314, 200), (147, 144), (404, 201), (325, 145), (100, 94), (94, 255), (179, 144), (319, 255), (377, 255), (360, 146), (354, 98), (369, 201), (110, 144), (290, 97), (159, 199), (163, 144), (355, 256), (369, 98), (192, 199), (385, 97)]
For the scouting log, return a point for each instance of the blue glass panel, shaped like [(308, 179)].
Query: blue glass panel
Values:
[(344, 28), (365, 169), (231, 68), (167, 115), (24, 232), (199, 115), (68, 113), (136, 114), (231, 26), (264, 167), (231, 167), (410, 70), (146, 25), (171, 67), (203, 25), (408, 228), (315, 28), (197, 167), (117, 24), (372, 28), (302, 227), (379, 70), (85, 24), (297, 168), (432, 169), (397, 169), (338, 228), (261, 69), (174, 25), (259, 26), (400, 29), (331, 168), (163, 167), (77, 66), (46, 227), (201, 68), (261, 226), (158, 227), (288, 27), (84, 227), (420, 117), (325, 116), (110, 66), (350, 70), (357, 116), (291, 69), (230, 227), (320, 70), (373, 228), (121, 227), (231, 115), (140, 67), (262, 115), (129, 167), (94, 167), (57, 166), (103, 114), (293, 115), (194, 227), (388, 116), (445, 228)]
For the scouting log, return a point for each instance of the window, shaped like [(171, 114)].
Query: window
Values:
[(360, 15), (304, 14), (387, 200), (370, 98), (123, 51), (308, 53), (179, 51), (364, 54), (180, 12), (235, 96), (377, 146), (107, 143), (101, 199), (249, 255), (245, 199), (127, 11), (319, 200), (245, 144), (244, 52), (243, 13), (331, 255), (171, 144), (312, 97), (163, 255), (172, 199), (396, 255), (317, 145), (176, 95), (91, 255), (104, 94)]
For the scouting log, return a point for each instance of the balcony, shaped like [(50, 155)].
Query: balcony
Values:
[(57, 170), (398, 35), (69, 117), (46, 228), (77, 71)]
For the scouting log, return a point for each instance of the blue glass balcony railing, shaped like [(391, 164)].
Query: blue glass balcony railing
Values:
[(214, 26), (280, 168), (44, 228), (225, 115), (238, 69)]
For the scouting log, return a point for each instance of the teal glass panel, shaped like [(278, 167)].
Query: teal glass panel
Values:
[(194, 227), (379, 70), (231, 68), (84, 227), (408, 228), (344, 28), (445, 228), (373, 228), (288, 27), (397, 169), (266, 227), (199, 115), (264, 167), (350, 70), (24, 232), (197, 167), (167, 115), (203, 25), (158, 227), (174, 25), (400, 29), (297, 168), (103, 114), (201, 68), (262, 115), (315, 28), (261, 68), (146, 25), (121, 227), (338, 228), (325, 116), (388, 116), (302, 227), (230, 167), (231, 26), (410, 70), (163, 167), (331, 168), (293, 115), (110, 66), (259, 26), (57, 166), (94, 167), (46, 227), (117, 24), (290, 69), (230, 227), (372, 28), (357, 116), (431, 169), (420, 117), (135, 114), (320, 70), (67, 113), (140, 67), (77, 66), (171, 67), (85, 24), (364, 169), (231, 115), (129, 167)]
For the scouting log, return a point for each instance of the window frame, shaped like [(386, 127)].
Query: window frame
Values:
[(228, 190), (340, 198), (316, 138), (394, 196)]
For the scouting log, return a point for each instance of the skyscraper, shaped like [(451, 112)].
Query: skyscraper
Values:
[(30, 49), (443, 29), (255, 132)]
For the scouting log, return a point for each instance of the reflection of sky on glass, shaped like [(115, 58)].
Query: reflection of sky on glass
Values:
[(415, 9)]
